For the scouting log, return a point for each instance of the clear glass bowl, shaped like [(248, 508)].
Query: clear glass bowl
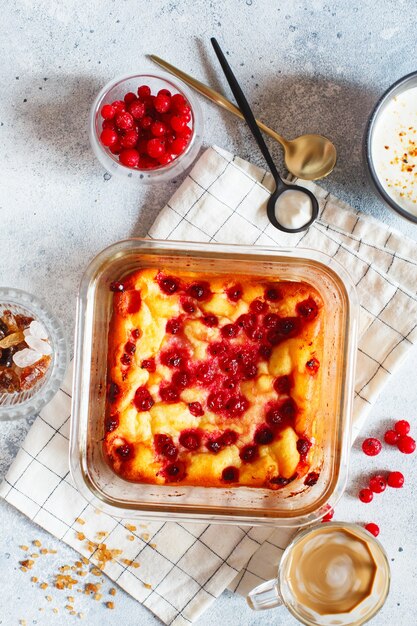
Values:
[(291, 506), (30, 402), (115, 90), (401, 85)]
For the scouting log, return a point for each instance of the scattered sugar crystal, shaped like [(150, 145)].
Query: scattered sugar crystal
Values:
[(26, 357), (39, 345), (38, 330)]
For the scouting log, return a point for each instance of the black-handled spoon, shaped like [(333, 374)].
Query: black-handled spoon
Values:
[(280, 186)]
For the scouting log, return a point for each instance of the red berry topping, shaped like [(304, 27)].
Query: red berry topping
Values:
[(230, 474), (391, 437), (113, 391), (124, 451), (272, 294), (125, 359), (155, 148), (178, 101), (124, 121), (249, 453), (303, 446), (263, 436), (313, 365), (165, 158), (188, 305), (162, 103), (135, 333), (196, 409), (377, 484), (271, 320), (112, 422), (144, 91), (229, 331), (373, 529), (178, 145), (204, 373), (129, 139), (119, 106), (108, 137), (143, 400), (199, 291), (210, 320), (329, 515), (249, 371), (265, 351), (116, 286), (307, 309), (173, 326), (235, 292), (402, 427), (174, 357), (130, 348), (228, 438), (137, 110), (366, 495), (280, 412), (214, 445), (174, 472), (178, 123), (116, 147), (235, 407), (107, 112), (258, 307), (146, 122), (165, 446), (217, 348), (229, 365), (109, 124), (181, 379), (158, 129), (169, 394), (129, 157), (168, 284), (406, 444), (395, 480), (129, 97), (190, 439), (149, 364), (371, 446), (311, 479), (283, 384)]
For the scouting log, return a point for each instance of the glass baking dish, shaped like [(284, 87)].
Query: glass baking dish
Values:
[(294, 505)]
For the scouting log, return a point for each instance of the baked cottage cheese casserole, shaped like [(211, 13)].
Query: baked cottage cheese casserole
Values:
[(213, 380)]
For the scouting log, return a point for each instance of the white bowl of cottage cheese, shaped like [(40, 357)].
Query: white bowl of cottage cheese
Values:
[(390, 146)]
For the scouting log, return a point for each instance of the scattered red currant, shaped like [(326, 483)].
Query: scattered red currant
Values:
[(391, 437), (366, 495), (377, 483), (406, 444), (371, 446), (328, 516), (402, 427), (395, 480), (373, 529)]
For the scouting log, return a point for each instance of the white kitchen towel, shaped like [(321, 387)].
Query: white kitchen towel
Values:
[(184, 567)]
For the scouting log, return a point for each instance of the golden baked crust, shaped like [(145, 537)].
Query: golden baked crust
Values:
[(213, 380)]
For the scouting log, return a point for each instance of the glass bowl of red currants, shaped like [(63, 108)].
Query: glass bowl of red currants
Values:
[(146, 127)]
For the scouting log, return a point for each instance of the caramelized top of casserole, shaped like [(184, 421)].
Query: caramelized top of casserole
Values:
[(213, 380)]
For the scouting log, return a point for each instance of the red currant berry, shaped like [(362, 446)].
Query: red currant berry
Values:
[(155, 148), (162, 103), (178, 145), (406, 444), (124, 121), (109, 124), (377, 484), (146, 122), (137, 109), (108, 137), (107, 112), (178, 123), (129, 139), (165, 158), (230, 474), (186, 133), (116, 148), (402, 427), (373, 529), (164, 92), (329, 515), (395, 480), (129, 98), (144, 91), (371, 446), (158, 129), (129, 157), (366, 495), (196, 409), (391, 437), (249, 453), (118, 106), (178, 101)]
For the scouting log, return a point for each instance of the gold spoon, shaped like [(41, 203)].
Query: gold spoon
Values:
[(309, 157)]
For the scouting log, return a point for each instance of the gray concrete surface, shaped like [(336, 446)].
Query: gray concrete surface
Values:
[(306, 66)]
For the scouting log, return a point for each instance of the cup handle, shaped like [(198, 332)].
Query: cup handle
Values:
[(264, 596)]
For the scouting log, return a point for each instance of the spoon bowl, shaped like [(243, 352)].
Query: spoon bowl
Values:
[(310, 157), (271, 207)]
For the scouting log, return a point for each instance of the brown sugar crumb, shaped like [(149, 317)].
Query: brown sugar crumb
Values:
[(80, 536), (43, 585), (80, 615), (110, 605), (153, 545), (49, 598), (22, 622), (78, 564), (91, 588), (70, 599), (136, 565), (64, 581), (147, 585), (25, 548), (55, 610), (43, 551), (85, 560), (37, 543), (101, 534), (64, 568), (35, 556), (69, 607), (127, 562), (80, 521), (73, 612), (98, 596), (112, 591), (52, 551), (130, 538), (81, 573), (145, 536), (130, 527), (34, 579), (28, 564), (95, 571), (24, 569)]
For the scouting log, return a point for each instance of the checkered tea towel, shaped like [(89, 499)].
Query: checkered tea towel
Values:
[(177, 570)]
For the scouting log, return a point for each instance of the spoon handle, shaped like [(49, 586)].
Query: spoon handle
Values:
[(213, 95), (246, 110)]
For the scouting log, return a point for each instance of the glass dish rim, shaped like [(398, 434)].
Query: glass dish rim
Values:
[(56, 372), (397, 87), (196, 512)]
